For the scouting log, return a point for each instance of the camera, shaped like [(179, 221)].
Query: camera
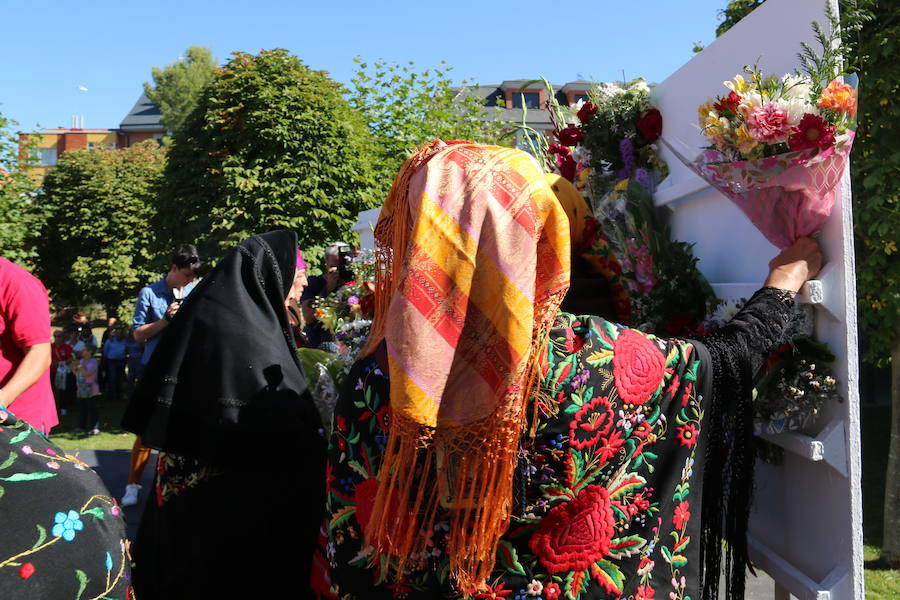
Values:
[(345, 258)]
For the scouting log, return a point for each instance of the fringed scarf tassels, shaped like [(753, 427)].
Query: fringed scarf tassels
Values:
[(473, 257)]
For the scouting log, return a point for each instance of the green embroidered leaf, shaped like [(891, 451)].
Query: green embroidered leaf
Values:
[(573, 408), (553, 492), (2, 491), (83, 580), (509, 558), (96, 512), (619, 513), (611, 330), (682, 544), (42, 536), (576, 582), (353, 439), (650, 456), (609, 576), (28, 476), (630, 482), (679, 560), (600, 358), (356, 466), (577, 468), (9, 460), (667, 555), (565, 371), (21, 436), (341, 516), (626, 546)]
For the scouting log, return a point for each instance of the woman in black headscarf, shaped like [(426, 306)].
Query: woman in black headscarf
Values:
[(224, 401)]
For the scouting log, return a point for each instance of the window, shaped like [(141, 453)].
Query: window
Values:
[(101, 146), (532, 99), (45, 156), (578, 97)]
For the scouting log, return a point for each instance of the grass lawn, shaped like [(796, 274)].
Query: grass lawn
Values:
[(111, 436)]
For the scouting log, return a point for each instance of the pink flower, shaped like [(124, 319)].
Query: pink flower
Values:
[(27, 450), (812, 132), (53, 464), (769, 124), (51, 451)]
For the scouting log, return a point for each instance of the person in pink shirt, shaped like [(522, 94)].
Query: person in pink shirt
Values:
[(25, 348), (88, 390)]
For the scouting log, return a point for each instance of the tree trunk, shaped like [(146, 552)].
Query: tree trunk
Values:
[(890, 552)]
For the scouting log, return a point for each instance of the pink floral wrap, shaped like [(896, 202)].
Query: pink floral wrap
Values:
[(786, 196)]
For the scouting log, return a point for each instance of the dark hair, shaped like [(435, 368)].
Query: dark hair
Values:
[(186, 256)]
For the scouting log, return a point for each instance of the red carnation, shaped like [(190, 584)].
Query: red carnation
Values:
[(574, 535), (812, 132), (638, 367), (650, 125), (570, 136), (587, 110), (729, 103)]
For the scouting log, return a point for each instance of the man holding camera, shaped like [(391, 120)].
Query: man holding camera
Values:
[(155, 307)]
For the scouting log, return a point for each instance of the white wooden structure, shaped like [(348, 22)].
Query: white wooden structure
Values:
[(806, 525)]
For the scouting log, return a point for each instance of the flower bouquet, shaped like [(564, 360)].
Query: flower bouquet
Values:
[(779, 146)]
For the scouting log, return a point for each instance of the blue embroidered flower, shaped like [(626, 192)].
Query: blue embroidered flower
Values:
[(67, 524), (109, 563), (521, 595), (557, 441)]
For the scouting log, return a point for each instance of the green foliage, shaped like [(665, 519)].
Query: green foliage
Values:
[(823, 66), (271, 144), (405, 108), (176, 87), (734, 12), (22, 214), (872, 31), (96, 245)]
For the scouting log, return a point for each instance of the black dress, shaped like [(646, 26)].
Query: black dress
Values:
[(238, 495), (619, 493)]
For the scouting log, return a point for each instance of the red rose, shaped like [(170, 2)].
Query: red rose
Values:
[(586, 111), (384, 418), (638, 367), (567, 167), (569, 136), (575, 534), (364, 498), (592, 421), (650, 125)]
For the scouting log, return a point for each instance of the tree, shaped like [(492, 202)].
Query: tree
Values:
[(405, 108), (271, 144), (870, 34), (22, 215), (734, 12), (176, 87), (97, 246)]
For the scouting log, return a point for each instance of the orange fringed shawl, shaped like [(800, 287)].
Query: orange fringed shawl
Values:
[(473, 262)]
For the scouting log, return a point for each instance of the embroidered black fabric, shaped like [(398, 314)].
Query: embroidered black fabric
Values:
[(737, 352)]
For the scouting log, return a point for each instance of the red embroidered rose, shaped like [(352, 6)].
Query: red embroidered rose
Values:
[(638, 367), (587, 110), (592, 421), (384, 418), (364, 498), (681, 516), (687, 435), (570, 136), (575, 534), (650, 125), (26, 570)]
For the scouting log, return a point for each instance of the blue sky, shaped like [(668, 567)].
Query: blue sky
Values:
[(51, 48)]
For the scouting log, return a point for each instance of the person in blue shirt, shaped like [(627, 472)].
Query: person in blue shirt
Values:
[(155, 307), (114, 362)]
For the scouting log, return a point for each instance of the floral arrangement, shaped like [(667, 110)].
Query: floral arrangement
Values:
[(779, 146)]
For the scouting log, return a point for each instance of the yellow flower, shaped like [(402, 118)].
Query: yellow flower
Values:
[(622, 185), (715, 131), (705, 112), (737, 85), (745, 143)]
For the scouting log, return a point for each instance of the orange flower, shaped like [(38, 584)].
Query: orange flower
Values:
[(840, 97)]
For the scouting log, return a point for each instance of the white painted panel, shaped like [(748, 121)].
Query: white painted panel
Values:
[(365, 227), (806, 525)]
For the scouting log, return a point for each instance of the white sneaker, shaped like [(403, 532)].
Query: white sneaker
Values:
[(131, 494)]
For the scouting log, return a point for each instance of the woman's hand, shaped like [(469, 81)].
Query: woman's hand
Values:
[(795, 265)]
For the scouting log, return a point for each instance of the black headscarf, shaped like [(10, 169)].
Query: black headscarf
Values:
[(225, 374)]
